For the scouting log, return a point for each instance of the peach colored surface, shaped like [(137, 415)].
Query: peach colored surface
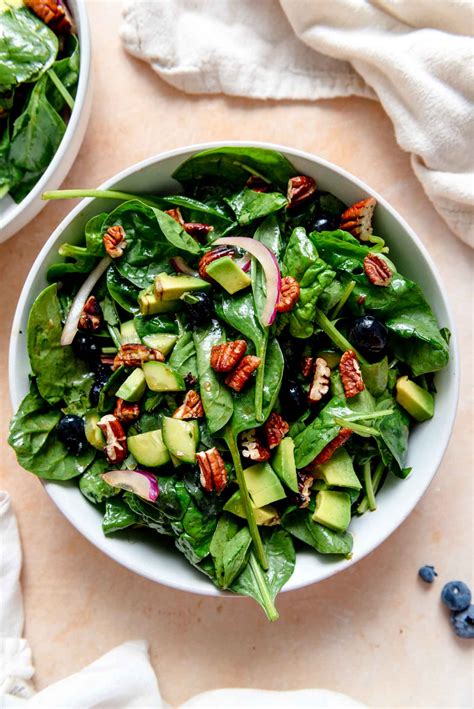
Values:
[(373, 631)]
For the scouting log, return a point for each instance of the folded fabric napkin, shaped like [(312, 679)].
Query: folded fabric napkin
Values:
[(416, 58), (123, 678)]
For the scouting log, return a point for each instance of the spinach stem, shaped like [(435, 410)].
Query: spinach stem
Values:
[(98, 194), (375, 481), (249, 514), (260, 380), (368, 417), (364, 431), (333, 333), (343, 300), (369, 489), (270, 610), (114, 335), (61, 88)]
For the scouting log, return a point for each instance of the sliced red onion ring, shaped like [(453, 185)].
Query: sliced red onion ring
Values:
[(180, 266), (70, 328), (140, 482), (269, 264)]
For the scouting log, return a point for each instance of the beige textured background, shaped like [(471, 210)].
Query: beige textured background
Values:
[(374, 631)]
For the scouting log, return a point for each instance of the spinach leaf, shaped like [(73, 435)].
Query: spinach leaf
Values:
[(394, 430), (37, 447), (122, 291), (55, 366), (153, 324), (301, 261), (300, 524), (67, 71), (109, 311), (79, 261), (236, 165), (216, 397), (249, 205), (375, 376), (107, 393), (27, 47), (183, 357), (261, 585), (76, 394), (269, 234), (91, 484), (118, 516), (229, 550), (175, 233), (94, 234), (321, 431)]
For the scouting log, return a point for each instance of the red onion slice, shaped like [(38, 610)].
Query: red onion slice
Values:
[(140, 482), (244, 263), (70, 327), (269, 264), (180, 266)]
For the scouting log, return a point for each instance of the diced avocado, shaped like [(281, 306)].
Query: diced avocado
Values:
[(228, 274), (263, 485), (161, 377), (333, 510), (332, 358), (339, 471), (161, 341), (94, 435), (181, 438), (263, 515), (133, 387), (173, 287), (417, 401), (128, 333), (150, 304), (149, 449), (283, 463)]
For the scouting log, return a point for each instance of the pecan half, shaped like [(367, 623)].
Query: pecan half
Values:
[(257, 184), (244, 370), (225, 357), (377, 270), (126, 411), (305, 484), (357, 220), (213, 475), (211, 256), (91, 317), (289, 294), (275, 429), (328, 450), (53, 14), (114, 241), (300, 189), (350, 374), (252, 448), (115, 439), (134, 355), (191, 408), (176, 214), (307, 364), (320, 384), (197, 230)]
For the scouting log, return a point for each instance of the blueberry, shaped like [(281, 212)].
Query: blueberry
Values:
[(292, 399), (95, 393), (103, 373), (70, 430), (199, 308), (427, 574), (463, 623), (326, 222), (369, 336), (292, 350), (456, 595), (86, 348)]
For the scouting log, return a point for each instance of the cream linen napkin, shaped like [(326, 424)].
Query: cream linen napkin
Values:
[(122, 678), (415, 57)]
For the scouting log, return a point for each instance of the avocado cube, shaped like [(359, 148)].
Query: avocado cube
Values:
[(161, 341), (266, 515), (93, 434), (417, 401), (228, 274), (263, 485), (150, 304), (173, 287), (284, 465), (161, 377), (133, 387), (181, 438), (149, 449), (339, 471), (333, 510), (128, 333)]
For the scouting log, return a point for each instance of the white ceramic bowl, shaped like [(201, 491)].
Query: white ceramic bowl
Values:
[(14, 217), (156, 558)]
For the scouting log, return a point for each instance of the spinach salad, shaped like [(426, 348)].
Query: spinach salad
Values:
[(39, 72), (237, 367)]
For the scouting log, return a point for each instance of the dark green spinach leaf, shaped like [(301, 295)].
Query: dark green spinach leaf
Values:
[(300, 524), (216, 397)]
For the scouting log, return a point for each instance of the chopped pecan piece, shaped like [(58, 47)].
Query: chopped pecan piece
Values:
[(252, 447), (176, 214), (320, 384), (275, 429), (244, 370), (191, 408), (115, 439), (289, 294), (53, 13), (114, 241), (257, 184), (357, 220), (226, 356), (377, 270), (213, 475), (307, 364), (328, 450), (91, 317), (197, 230), (350, 373), (211, 256), (134, 355), (305, 484), (300, 188), (126, 411)]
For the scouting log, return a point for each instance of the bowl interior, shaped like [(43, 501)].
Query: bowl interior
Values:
[(155, 557)]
